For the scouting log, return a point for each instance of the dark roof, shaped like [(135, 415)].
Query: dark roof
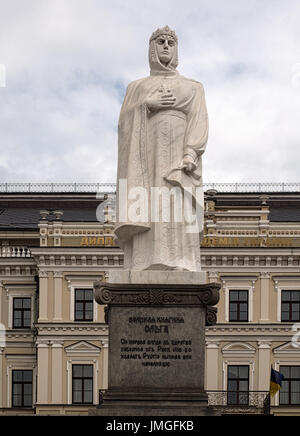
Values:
[(284, 207), (285, 214), (23, 211), (28, 217)]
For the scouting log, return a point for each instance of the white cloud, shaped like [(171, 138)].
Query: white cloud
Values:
[(68, 62)]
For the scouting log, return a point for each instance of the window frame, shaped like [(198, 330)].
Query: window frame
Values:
[(238, 302), (81, 282), (22, 326), (84, 302), (82, 379), (21, 290), (289, 302), (242, 283), (284, 283), (22, 383), (289, 380), (238, 380)]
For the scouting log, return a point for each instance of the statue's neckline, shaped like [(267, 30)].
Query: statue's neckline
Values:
[(168, 74)]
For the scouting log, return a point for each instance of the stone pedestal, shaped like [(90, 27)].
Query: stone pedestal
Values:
[(156, 348)]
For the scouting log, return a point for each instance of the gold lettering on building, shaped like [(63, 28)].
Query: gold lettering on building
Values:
[(84, 242), (102, 241), (259, 241)]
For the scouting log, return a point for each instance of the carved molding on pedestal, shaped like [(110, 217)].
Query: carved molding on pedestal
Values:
[(206, 295)]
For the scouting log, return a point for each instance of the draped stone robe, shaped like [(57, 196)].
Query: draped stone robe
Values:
[(151, 148)]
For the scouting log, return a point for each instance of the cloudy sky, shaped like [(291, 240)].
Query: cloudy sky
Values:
[(68, 62)]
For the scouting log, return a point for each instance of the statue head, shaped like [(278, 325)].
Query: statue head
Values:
[(163, 52)]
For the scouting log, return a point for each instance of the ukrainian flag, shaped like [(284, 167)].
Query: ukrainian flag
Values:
[(275, 383)]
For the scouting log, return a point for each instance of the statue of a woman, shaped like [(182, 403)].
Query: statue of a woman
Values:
[(163, 130)]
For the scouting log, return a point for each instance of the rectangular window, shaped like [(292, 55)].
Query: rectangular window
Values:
[(21, 388), (290, 306), (238, 385), (84, 304), (290, 388), (21, 313), (82, 384), (238, 306)]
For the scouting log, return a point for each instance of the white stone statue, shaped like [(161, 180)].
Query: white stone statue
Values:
[(163, 130)]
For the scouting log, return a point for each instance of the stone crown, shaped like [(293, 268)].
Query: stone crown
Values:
[(163, 31)]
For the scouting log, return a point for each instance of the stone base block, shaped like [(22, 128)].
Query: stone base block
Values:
[(154, 411), (161, 277), (114, 403)]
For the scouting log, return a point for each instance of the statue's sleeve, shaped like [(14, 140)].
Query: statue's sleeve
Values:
[(197, 126), (128, 103)]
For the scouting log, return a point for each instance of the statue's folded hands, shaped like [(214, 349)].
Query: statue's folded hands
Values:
[(159, 101)]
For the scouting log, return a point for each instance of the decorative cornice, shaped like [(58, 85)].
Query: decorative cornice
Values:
[(78, 259), (235, 348), (281, 281), (132, 295), (251, 330), (156, 295), (17, 269), (70, 328)]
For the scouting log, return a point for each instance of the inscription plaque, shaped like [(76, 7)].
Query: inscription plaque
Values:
[(156, 347)]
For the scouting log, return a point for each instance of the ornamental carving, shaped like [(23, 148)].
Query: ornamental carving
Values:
[(211, 316), (210, 297), (162, 295)]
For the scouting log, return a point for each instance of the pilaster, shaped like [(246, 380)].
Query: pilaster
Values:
[(43, 373), (43, 296), (264, 365), (264, 296), (104, 364), (212, 365), (58, 290), (57, 368)]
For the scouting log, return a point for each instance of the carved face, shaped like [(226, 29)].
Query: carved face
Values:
[(165, 46)]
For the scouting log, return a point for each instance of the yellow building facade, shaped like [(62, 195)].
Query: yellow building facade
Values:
[(54, 338)]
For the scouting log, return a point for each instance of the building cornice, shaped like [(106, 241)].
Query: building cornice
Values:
[(250, 332), (71, 329)]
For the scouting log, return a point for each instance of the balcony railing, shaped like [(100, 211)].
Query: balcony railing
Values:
[(107, 188), (14, 252), (244, 402)]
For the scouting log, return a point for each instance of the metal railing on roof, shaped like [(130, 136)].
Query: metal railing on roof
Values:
[(41, 188), (106, 188), (253, 187)]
